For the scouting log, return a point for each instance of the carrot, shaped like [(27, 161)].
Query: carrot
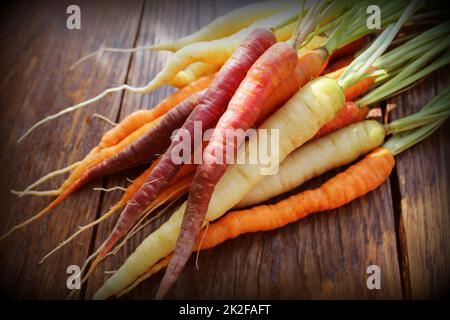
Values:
[(228, 24), (317, 157), (351, 184), (214, 52), (310, 108), (193, 72), (213, 104), (155, 140), (426, 46), (290, 174), (140, 117), (220, 27)]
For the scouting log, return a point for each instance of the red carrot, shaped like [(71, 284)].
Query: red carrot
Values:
[(349, 114), (244, 110)]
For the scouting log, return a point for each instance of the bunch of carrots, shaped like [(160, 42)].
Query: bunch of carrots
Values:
[(311, 71)]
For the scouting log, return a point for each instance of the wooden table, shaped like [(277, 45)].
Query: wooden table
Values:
[(403, 226)]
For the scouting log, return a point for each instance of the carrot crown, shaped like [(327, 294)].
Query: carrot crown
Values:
[(313, 16), (359, 67), (410, 62)]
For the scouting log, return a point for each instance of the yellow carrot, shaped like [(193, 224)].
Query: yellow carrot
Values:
[(317, 157)]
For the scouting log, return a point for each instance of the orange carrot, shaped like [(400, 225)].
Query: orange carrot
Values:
[(359, 88), (356, 181), (350, 113), (140, 117)]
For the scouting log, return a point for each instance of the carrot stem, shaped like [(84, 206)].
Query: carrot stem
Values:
[(362, 63), (435, 110), (400, 142)]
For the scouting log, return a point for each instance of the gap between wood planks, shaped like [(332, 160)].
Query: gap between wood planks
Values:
[(399, 227), (104, 183)]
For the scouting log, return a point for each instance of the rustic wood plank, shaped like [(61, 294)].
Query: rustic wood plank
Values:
[(423, 178), (36, 82)]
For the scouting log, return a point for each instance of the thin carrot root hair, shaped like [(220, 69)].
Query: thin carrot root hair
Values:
[(37, 216), (100, 52), (42, 193), (101, 254), (107, 120), (111, 189), (135, 185), (84, 228), (142, 223), (181, 186), (124, 87), (45, 178)]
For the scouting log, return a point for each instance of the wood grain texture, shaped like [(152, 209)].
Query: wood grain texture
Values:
[(324, 256), (423, 177), (37, 82)]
